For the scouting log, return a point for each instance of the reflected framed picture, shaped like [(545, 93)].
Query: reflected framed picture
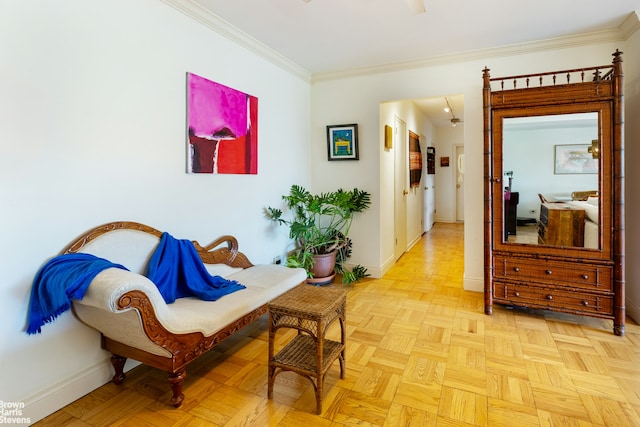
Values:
[(574, 159), (342, 142)]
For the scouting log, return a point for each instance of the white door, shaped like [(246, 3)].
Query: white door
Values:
[(429, 197), (400, 186), (459, 182)]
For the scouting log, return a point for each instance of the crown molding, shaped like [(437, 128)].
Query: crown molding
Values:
[(631, 24), (222, 27), (507, 50), (202, 15)]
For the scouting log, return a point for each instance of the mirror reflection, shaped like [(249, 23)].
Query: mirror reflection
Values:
[(551, 166)]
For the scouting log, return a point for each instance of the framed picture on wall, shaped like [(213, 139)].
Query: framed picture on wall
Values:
[(342, 142), (574, 158)]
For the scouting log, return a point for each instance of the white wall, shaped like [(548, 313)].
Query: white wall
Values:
[(93, 130), (359, 97), (631, 66), (446, 140)]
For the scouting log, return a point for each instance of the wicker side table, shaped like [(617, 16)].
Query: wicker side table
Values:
[(310, 310)]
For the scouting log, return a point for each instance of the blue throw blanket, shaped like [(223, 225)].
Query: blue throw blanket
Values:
[(60, 280), (175, 267), (178, 271)]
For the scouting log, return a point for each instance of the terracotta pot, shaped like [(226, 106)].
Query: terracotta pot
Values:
[(322, 269)]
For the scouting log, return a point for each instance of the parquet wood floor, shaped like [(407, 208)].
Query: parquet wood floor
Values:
[(420, 352)]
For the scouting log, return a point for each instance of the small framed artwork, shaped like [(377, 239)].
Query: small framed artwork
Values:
[(342, 142), (574, 159), (444, 162)]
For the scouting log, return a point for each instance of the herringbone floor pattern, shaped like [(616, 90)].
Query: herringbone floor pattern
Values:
[(420, 352)]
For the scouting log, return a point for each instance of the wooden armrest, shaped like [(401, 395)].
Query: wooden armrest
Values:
[(230, 255)]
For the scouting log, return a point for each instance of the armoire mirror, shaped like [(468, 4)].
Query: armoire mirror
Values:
[(552, 160), (554, 191)]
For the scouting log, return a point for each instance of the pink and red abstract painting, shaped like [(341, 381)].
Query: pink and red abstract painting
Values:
[(222, 128)]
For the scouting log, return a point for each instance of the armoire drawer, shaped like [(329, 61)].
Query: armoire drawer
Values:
[(587, 276), (549, 298)]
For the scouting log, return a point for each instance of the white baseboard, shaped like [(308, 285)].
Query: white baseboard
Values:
[(387, 265), (473, 284), (633, 310), (57, 396), (374, 272)]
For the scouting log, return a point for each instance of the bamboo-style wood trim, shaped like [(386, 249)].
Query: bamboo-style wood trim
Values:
[(618, 195), (488, 178), (600, 73)]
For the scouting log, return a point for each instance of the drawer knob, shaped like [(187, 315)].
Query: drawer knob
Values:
[(548, 272), (585, 303), (550, 297), (585, 277), (516, 269), (517, 294)]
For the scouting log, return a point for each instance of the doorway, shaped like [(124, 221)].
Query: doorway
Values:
[(459, 156), (400, 187)]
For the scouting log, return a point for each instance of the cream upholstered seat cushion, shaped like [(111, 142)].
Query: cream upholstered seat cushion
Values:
[(185, 315), (263, 283)]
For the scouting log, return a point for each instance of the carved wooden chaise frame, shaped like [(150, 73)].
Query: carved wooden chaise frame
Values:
[(184, 348)]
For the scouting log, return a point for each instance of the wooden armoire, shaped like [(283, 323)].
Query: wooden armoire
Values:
[(558, 136)]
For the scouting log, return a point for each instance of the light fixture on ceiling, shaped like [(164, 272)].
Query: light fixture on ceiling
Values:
[(416, 6), (454, 120)]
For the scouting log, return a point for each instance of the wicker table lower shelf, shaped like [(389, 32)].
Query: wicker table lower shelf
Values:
[(310, 310)]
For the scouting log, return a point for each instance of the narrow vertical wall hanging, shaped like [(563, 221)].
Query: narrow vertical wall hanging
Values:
[(388, 137), (415, 160), (222, 128)]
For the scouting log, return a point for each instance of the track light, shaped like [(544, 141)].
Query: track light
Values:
[(448, 109)]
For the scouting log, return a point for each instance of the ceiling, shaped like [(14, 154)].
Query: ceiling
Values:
[(329, 36)]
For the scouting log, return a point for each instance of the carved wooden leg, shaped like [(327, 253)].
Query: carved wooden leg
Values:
[(176, 381), (118, 365)]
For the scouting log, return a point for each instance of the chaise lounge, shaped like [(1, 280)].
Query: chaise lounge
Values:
[(133, 318)]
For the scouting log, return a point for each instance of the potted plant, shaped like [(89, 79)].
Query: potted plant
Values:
[(319, 225)]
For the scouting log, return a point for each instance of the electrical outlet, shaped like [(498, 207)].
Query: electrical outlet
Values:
[(277, 260)]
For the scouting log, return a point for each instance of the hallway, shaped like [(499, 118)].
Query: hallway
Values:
[(420, 352)]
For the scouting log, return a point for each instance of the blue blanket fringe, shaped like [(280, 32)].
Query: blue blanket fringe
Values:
[(60, 280)]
